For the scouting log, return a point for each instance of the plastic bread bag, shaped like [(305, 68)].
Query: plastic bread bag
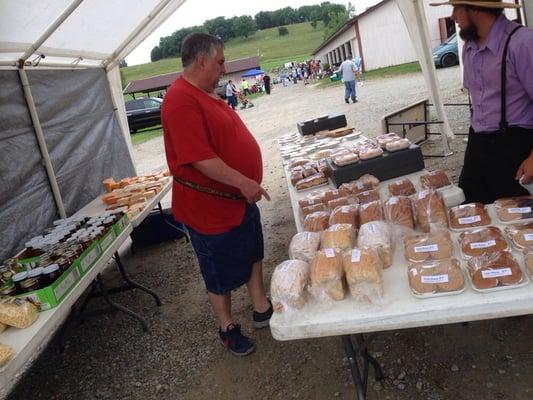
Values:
[(385, 138), (397, 210), (345, 159), (288, 285), (317, 221), (491, 270), (299, 162), (431, 246), (436, 276), (309, 170), (327, 276), (371, 211), (397, 145), (469, 215), (312, 181), (377, 235), (435, 179), (311, 199), (333, 194), (365, 182), (514, 209), (370, 152), (402, 187), (6, 353), (338, 236), (367, 196), (521, 235), (482, 240), (362, 268), (296, 176), (341, 201), (430, 211), (348, 214), (314, 208), (19, 313), (304, 246), (2, 327)]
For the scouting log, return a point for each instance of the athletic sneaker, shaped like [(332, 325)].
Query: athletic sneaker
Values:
[(238, 344), (262, 320)]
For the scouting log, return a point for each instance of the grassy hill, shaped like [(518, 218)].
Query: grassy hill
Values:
[(274, 50)]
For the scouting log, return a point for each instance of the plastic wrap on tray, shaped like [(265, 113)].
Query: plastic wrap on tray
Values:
[(341, 201), (371, 211), (362, 268), (521, 235), (322, 154), (369, 153), (365, 182), (430, 211), (436, 276), (317, 221), (435, 179), (348, 214), (344, 159), (469, 215), (296, 176), (332, 194), (309, 170), (367, 196), (288, 284), (299, 162), (6, 352), (315, 197), (304, 246), (431, 246), (327, 275), (312, 181), (377, 235), (314, 208), (386, 138), (398, 211), (514, 209), (19, 313), (338, 236), (402, 187), (323, 167), (491, 270), (482, 240), (397, 145)]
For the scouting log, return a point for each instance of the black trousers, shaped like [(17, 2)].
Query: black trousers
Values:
[(491, 162)]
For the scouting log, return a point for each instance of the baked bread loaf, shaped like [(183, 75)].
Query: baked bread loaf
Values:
[(348, 214), (338, 236), (386, 138), (304, 246), (19, 313), (430, 212), (314, 208), (528, 260), (371, 211), (403, 187), (468, 216), (435, 179), (431, 246), (311, 199), (362, 268), (482, 240), (309, 170), (339, 132), (288, 284), (490, 270), (341, 201), (6, 352), (327, 275), (377, 235), (299, 162), (436, 276), (345, 159), (317, 221), (314, 180), (333, 194), (513, 209), (521, 235), (365, 182), (296, 176), (367, 196), (397, 210), (397, 145), (370, 152)]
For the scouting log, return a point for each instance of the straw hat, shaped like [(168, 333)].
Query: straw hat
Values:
[(478, 3)]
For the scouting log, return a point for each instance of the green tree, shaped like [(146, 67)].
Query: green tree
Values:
[(336, 20), (282, 30), (156, 54), (122, 64), (263, 20), (244, 26)]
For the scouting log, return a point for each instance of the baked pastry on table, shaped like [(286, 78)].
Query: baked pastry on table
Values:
[(327, 275), (377, 235), (304, 246), (371, 211), (362, 268), (469, 215), (341, 201), (482, 240), (430, 211), (365, 182), (288, 284), (435, 179), (312, 181), (491, 270), (348, 214), (367, 196), (436, 276), (317, 221), (397, 210), (313, 208), (402, 187), (514, 209), (431, 246), (341, 160), (338, 236), (521, 235)]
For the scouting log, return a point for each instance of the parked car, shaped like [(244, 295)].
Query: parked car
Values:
[(143, 113), (446, 54)]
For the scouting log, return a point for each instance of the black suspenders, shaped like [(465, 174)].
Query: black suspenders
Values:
[(504, 125)]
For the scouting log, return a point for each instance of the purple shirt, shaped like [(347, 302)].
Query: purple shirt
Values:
[(482, 77)]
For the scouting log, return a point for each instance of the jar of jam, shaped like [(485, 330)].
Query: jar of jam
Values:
[(50, 274), (8, 289), (18, 278), (63, 263), (5, 274)]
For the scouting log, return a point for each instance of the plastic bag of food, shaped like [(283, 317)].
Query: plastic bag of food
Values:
[(469, 215), (491, 270), (367, 196), (312, 181), (397, 210), (362, 268), (327, 275), (482, 240), (403, 187), (371, 211), (338, 236), (397, 145), (365, 182), (296, 176), (385, 138), (314, 208), (304, 246), (345, 159), (528, 260), (317, 221), (432, 246), (341, 201), (430, 211), (377, 235), (436, 276), (348, 214), (333, 194), (309, 170), (315, 197), (2, 327), (521, 235), (514, 209), (367, 153), (288, 284), (19, 313), (6, 353), (435, 179), (299, 162)]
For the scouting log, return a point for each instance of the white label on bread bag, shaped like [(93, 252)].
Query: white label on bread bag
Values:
[(483, 245), (495, 273), (330, 253), (528, 237), (426, 249), (372, 228), (519, 210), (435, 279), (359, 185), (422, 194), (469, 220), (356, 255), (345, 209), (393, 200), (307, 236)]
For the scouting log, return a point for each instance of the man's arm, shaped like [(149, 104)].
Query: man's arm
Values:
[(525, 171), (219, 171)]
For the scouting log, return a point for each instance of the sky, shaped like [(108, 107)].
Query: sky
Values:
[(195, 12)]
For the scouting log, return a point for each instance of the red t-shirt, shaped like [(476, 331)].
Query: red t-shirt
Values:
[(199, 127)]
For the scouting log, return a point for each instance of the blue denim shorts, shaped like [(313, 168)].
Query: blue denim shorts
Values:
[(226, 259)]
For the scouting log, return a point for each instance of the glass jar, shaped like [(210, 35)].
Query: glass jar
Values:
[(18, 278), (63, 263), (50, 274), (8, 289)]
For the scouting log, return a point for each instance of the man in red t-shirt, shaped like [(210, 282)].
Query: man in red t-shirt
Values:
[(217, 168)]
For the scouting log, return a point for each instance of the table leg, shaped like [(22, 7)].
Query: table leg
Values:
[(185, 233), (132, 283)]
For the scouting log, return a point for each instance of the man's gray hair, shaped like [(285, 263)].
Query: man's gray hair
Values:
[(196, 44)]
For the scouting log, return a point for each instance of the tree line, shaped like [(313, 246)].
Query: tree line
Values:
[(332, 15)]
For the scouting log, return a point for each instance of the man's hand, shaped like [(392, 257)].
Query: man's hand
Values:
[(525, 171), (252, 191)]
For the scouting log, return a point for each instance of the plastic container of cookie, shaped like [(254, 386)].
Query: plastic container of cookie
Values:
[(528, 261), (422, 248), (468, 216), (514, 210), (436, 278), (520, 235), (479, 241), (496, 271)]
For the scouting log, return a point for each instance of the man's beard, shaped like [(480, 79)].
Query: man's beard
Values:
[(470, 32)]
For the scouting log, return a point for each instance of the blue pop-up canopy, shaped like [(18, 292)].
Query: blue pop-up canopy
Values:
[(252, 72)]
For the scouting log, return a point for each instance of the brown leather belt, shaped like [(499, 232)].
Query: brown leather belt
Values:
[(211, 191)]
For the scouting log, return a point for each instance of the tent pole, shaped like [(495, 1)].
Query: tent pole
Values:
[(42, 143)]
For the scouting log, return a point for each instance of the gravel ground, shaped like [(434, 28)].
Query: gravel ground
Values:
[(109, 357)]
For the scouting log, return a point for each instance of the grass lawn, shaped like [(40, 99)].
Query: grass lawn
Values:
[(143, 135)]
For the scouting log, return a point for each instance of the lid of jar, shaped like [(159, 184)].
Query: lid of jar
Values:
[(35, 272), (20, 276), (50, 268)]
